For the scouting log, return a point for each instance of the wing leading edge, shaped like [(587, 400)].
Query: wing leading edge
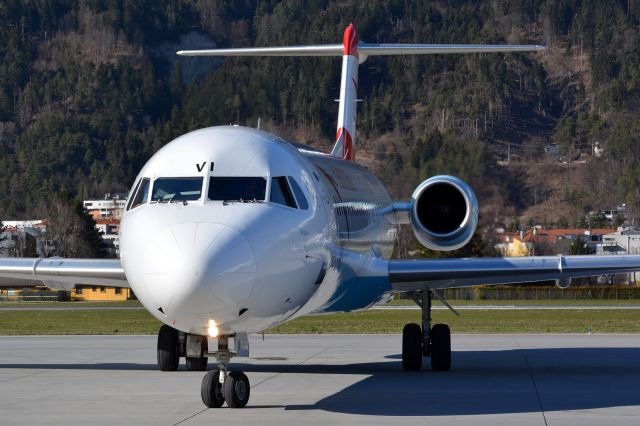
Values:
[(411, 275), (62, 273)]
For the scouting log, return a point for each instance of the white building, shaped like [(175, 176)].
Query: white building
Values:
[(623, 241), (107, 214), (110, 229), (111, 207), (22, 238)]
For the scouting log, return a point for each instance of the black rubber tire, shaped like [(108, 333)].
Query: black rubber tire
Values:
[(236, 389), (440, 347), (211, 390), (199, 363), (196, 364), (412, 347), (168, 350)]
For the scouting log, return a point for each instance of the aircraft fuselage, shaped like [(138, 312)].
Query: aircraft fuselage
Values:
[(256, 232)]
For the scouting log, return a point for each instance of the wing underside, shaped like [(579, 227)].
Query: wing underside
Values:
[(412, 275), (58, 273)]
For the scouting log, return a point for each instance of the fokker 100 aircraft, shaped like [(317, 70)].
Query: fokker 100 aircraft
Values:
[(231, 230)]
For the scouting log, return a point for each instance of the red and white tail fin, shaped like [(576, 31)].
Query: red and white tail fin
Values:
[(354, 53), (346, 132)]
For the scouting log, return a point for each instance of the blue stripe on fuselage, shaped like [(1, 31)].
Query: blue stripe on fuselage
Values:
[(357, 293)]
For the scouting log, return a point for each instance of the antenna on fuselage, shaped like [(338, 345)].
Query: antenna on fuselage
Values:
[(353, 54)]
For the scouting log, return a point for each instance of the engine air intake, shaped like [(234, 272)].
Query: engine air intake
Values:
[(441, 208), (444, 213)]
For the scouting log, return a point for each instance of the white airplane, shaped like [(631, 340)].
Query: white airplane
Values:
[(231, 230)]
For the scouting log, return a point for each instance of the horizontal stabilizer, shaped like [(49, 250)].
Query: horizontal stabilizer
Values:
[(320, 50), (365, 49), (432, 49)]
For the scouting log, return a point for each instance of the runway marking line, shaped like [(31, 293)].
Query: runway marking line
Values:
[(533, 379)]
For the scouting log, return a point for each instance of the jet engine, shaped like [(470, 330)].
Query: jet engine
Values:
[(443, 213)]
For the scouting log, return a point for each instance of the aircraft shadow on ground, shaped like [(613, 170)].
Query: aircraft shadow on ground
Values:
[(490, 382), (480, 382)]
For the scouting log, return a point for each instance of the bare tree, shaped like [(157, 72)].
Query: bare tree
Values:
[(63, 235), (23, 247), (16, 249), (2, 237)]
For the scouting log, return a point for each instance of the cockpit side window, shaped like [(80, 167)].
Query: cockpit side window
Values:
[(280, 192), (141, 194), (302, 201), (176, 189), (241, 188), (133, 195)]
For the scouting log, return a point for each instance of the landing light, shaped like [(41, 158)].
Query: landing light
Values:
[(212, 330)]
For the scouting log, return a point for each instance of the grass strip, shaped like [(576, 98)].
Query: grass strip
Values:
[(395, 302), (125, 303), (78, 322), (493, 321), (490, 321), (519, 302)]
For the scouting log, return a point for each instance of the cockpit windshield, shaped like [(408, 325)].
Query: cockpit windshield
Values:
[(247, 189), (166, 190)]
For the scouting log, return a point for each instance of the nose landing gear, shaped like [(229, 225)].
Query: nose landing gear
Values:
[(426, 341), (220, 386)]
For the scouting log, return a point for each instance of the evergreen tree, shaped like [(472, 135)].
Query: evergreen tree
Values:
[(88, 92), (579, 246)]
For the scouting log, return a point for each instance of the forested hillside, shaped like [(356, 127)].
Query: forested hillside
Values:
[(89, 90)]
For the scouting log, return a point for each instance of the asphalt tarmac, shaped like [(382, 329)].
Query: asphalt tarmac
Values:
[(328, 379)]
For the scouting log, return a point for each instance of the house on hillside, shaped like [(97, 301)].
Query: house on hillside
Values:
[(610, 216), (553, 151), (542, 241), (510, 244), (558, 241)]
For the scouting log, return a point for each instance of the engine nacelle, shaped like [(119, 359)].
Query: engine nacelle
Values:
[(444, 213)]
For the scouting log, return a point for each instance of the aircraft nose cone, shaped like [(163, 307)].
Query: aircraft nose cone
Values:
[(199, 268)]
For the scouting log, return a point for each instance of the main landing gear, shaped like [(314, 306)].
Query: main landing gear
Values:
[(426, 341), (173, 344), (220, 386)]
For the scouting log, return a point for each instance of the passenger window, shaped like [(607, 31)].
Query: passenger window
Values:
[(237, 188), (302, 201), (280, 192), (176, 189), (142, 193)]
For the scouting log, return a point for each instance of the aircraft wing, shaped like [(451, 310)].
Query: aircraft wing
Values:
[(411, 275), (59, 273)]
